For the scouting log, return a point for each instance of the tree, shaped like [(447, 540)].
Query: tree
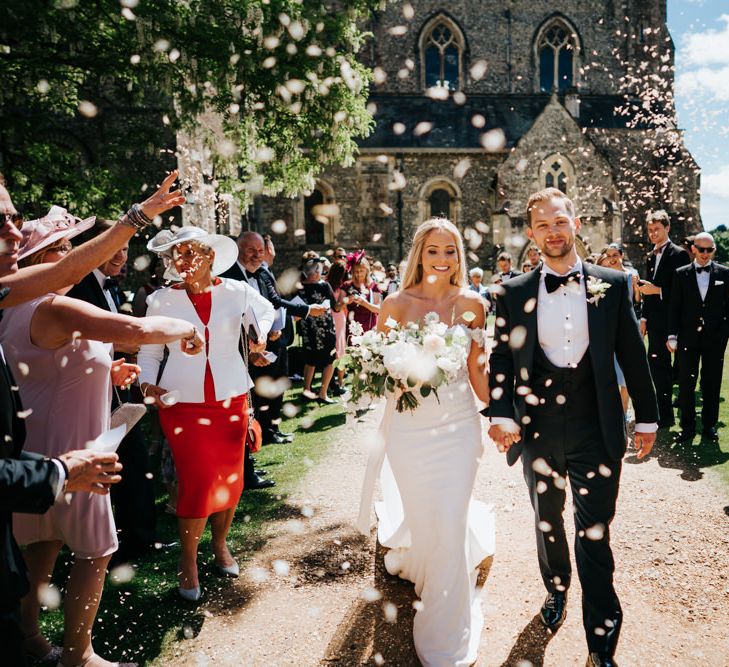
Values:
[(721, 239), (92, 92)]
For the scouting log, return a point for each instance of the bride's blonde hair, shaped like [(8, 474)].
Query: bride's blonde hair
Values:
[(414, 268)]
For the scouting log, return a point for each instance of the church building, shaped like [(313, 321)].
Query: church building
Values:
[(479, 103)]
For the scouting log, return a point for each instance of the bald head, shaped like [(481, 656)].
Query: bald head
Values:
[(703, 248), (250, 250)]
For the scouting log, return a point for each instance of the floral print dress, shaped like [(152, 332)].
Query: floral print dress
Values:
[(318, 335)]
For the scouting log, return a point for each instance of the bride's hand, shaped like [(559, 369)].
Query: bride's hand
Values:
[(504, 436)]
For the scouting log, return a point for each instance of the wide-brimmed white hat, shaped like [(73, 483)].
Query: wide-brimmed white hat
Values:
[(226, 249), (56, 225)]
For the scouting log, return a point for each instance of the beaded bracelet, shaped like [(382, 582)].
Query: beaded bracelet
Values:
[(136, 218)]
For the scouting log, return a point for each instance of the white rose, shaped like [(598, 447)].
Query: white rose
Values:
[(433, 344), (400, 359)]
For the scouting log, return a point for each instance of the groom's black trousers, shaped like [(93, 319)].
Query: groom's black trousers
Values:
[(572, 448)]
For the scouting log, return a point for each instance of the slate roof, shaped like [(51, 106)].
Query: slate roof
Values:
[(452, 126)]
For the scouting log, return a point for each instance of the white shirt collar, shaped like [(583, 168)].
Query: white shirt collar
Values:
[(661, 247), (100, 276), (577, 267)]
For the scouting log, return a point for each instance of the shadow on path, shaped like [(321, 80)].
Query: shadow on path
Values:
[(530, 645), (688, 457), (366, 631)]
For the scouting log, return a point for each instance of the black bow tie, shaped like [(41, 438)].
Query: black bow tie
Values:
[(110, 284), (552, 282), (252, 274), (701, 269)]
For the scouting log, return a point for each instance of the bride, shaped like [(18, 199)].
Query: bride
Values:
[(437, 535)]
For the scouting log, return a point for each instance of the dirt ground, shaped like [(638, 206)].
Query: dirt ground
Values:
[(317, 594)]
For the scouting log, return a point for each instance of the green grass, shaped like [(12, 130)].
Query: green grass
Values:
[(143, 619)]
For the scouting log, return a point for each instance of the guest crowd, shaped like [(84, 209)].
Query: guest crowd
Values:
[(210, 343)]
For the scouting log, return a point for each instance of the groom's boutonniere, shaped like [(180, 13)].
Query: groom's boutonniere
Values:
[(596, 288)]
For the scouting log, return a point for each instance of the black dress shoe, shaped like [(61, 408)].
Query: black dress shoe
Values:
[(255, 482), (272, 438), (261, 473), (686, 435), (600, 660), (710, 433), (289, 437), (325, 401), (554, 610)]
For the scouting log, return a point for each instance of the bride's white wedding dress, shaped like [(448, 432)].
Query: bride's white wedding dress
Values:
[(437, 534)]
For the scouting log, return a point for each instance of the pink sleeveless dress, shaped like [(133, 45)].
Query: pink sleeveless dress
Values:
[(67, 393)]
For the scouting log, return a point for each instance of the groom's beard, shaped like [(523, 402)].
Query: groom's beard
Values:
[(563, 252)]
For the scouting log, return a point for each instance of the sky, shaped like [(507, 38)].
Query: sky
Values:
[(700, 31)]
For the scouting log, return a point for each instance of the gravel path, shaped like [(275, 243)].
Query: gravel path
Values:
[(307, 599)]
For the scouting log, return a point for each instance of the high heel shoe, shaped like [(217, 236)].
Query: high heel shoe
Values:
[(231, 571), (52, 657), (190, 594), (484, 567)]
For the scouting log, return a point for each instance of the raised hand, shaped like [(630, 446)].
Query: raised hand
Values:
[(93, 472), (163, 200), (192, 344)]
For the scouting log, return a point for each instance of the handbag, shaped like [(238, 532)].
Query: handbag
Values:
[(126, 413), (254, 432)]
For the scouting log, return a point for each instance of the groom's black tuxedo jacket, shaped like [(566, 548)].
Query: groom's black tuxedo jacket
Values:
[(613, 330)]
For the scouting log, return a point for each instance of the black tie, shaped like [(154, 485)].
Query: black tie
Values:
[(552, 282), (109, 284), (701, 269)]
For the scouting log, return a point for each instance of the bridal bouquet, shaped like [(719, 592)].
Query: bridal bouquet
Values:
[(411, 360)]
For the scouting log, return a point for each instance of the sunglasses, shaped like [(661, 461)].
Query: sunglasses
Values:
[(703, 250), (15, 219)]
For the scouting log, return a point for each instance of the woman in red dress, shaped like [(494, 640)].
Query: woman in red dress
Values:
[(203, 400), (363, 295)]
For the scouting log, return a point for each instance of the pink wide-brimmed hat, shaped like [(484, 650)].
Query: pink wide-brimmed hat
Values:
[(56, 225)]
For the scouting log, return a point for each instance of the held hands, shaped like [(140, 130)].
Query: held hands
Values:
[(643, 328), (644, 443), (504, 435), (163, 200), (123, 374), (91, 471), (257, 346)]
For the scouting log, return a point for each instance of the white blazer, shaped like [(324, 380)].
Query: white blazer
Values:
[(185, 373)]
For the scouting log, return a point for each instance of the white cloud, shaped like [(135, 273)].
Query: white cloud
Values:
[(716, 184), (705, 81), (710, 47)]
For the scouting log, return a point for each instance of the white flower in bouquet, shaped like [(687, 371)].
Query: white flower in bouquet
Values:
[(434, 344), (400, 359)]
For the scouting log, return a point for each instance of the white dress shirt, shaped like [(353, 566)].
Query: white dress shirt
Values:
[(101, 277), (661, 249), (703, 279), (562, 320)]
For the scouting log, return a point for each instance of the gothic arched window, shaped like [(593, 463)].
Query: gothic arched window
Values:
[(440, 203), (440, 198), (557, 172), (442, 51), (556, 51)]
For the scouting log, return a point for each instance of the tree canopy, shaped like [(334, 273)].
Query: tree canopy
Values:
[(93, 93)]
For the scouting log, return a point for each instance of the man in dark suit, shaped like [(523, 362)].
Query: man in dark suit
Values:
[(250, 267), (506, 270), (698, 330), (29, 483), (662, 263), (133, 498), (555, 402)]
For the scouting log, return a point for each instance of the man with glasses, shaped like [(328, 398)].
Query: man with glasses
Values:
[(663, 260), (698, 332)]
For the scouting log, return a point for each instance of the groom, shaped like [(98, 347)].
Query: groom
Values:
[(555, 402)]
